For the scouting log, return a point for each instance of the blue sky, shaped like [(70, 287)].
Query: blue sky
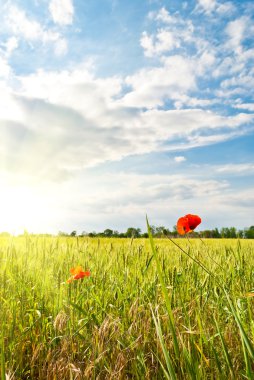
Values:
[(111, 110)]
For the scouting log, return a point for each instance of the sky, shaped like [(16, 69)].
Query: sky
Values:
[(113, 110)]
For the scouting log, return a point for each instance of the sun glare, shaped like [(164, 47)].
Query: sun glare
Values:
[(22, 209)]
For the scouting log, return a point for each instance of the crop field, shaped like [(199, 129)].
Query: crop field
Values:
[(146, 311)]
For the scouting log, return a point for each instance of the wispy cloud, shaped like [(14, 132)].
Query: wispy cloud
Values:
[(24, 27), (179, 158), (207, 5), (236, 169), (237, 31), (245, 106), (163, 41), (62, 11), (5, 68), (210, 6), (95, 121)]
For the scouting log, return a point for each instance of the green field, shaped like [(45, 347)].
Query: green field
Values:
[(121, 322)]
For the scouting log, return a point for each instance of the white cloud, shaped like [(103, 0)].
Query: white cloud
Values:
[(247, 54), (11, 45), (79, 120), (162, 197), (77, 89), (5, 69), (164, 16), (177, 79), (241, 81), (234, 58), (226, 7), (228, 94), (157, 44), (9, 108), (245, 106), (61, 47), (228, 66), (151, 86), (62, 11), (142, 193), (236, 168), (181, 70), (186, 121), (174, 34), (238, 30), (210, 6), (205, 62), (207, 5), (179, 159), (191, 101), (21, 26), (94, 118)]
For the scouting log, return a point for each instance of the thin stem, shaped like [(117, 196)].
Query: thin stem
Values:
[(196, 261), (215, 262)]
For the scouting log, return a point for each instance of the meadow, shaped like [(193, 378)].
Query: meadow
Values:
[(145, 312)]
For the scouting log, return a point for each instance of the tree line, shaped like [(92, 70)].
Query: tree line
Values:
[(161, 231), (158, 232)]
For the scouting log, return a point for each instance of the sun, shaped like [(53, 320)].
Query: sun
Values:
[(22, 208)]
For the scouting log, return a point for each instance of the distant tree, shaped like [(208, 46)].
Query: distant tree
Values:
[(216, 233), (130, 232), (166, 232), (232, 231), (249, 233), (225, 232), (228, 232), (240, 234), (206, 234), (174, 232), (133, 232), (159, 231), (108, 232), (153, 230), (210, 233), (61, 233), (162, 231)]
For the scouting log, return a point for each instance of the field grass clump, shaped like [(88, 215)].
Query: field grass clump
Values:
[(116, 324)]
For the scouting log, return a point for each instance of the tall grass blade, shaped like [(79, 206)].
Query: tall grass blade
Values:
[(249, 373), (165, 292), (167, 357), (244, 336), (225, 351), (3, 377)]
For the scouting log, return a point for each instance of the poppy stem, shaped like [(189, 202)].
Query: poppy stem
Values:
[(202, 241)]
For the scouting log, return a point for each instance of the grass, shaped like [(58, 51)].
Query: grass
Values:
[(143, 314)]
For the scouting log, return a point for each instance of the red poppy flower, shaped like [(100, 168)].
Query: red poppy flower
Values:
[(78, 273), (187, 223)]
